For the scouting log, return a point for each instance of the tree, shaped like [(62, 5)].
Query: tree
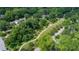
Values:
[(9, 16), (4, 25)]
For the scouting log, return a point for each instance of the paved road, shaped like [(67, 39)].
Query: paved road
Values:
[(2, 45)]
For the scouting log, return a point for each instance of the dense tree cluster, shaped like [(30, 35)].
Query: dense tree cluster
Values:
[(4, 25)]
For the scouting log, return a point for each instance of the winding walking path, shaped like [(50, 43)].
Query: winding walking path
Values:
[(36, 37), (46, 29)]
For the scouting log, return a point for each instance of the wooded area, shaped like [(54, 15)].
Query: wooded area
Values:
[(19, 25)]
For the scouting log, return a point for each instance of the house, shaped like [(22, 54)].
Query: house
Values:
[(17, 21), (1, 16)]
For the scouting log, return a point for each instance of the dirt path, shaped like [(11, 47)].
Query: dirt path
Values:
[(36, 37), (49, 26)]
